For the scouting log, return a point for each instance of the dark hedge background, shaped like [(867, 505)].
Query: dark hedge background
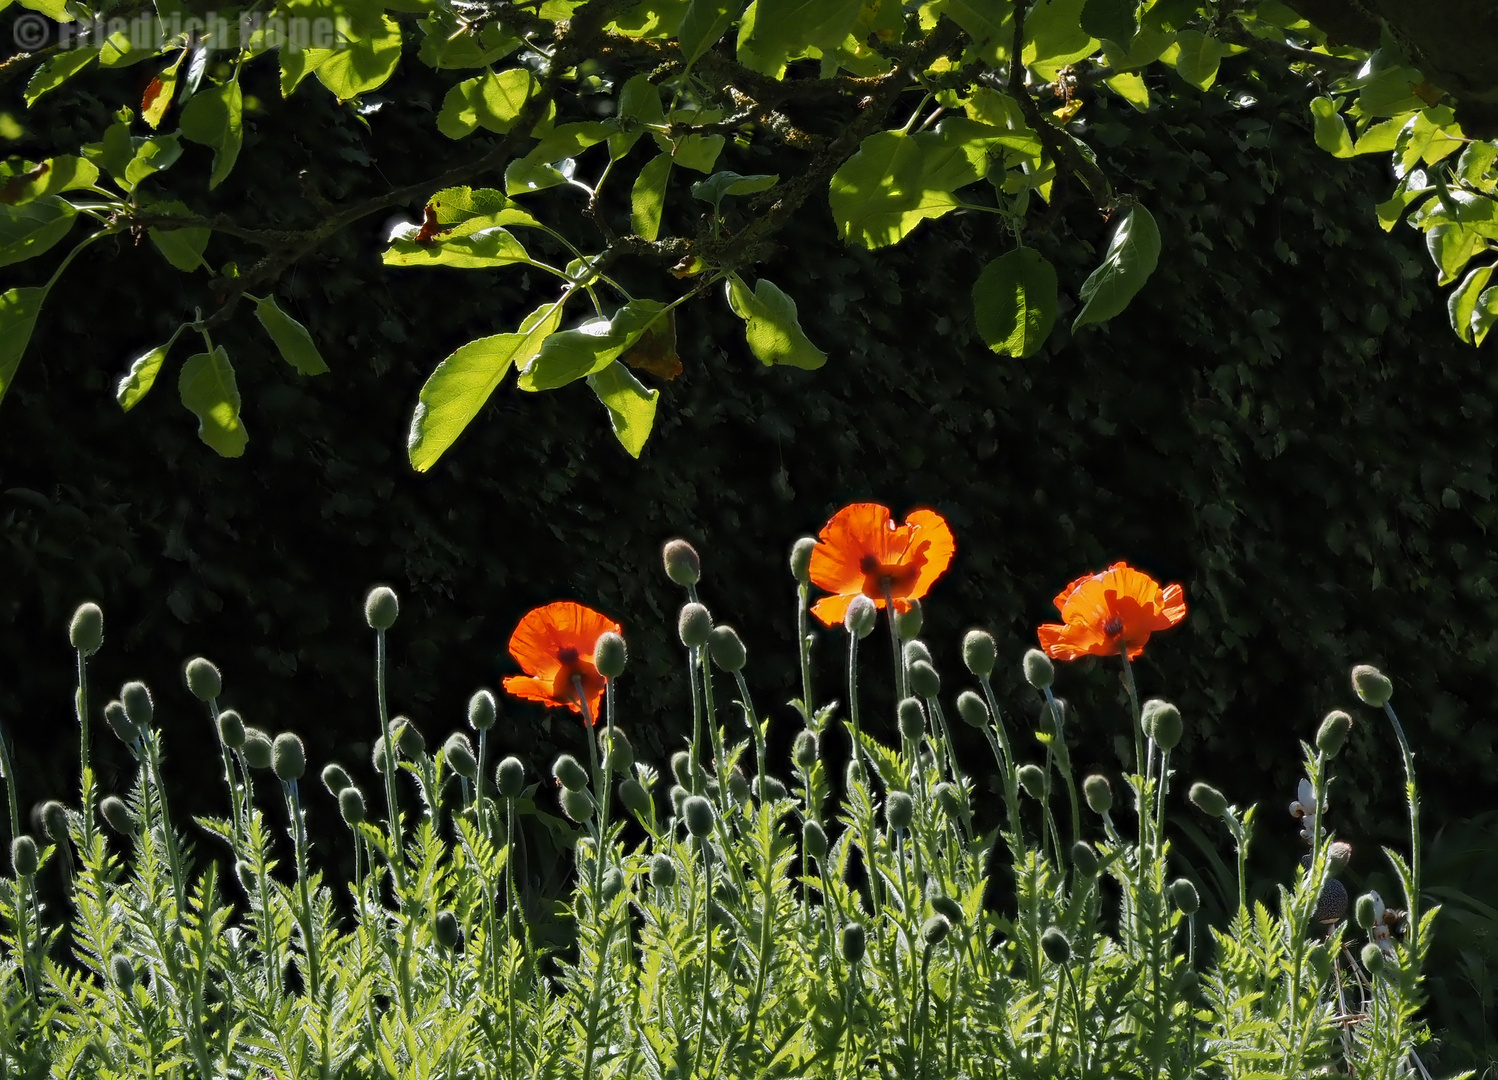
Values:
[(1282, 421)]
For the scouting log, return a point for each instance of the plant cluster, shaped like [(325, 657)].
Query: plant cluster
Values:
[(725, 922)]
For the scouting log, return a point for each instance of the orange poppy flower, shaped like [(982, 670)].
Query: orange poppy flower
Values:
[(554, 645), (862, 551), (1117, 608)]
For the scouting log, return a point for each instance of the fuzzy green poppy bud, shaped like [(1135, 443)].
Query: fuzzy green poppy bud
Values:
[(1084, 858), (613, 884), (335, 778), (899, 810), (1099, 794), (569, 773), (118, 816), (912, 720), (1372, 685), (1332, 733), (1163, 723), (699, 815), (979, 652), (682, 563), (694, 625), (510, 777), (1366, 911), (458, 752), (935, 930), (377, 755), (801, 559), (288, 757), (946, 907), (678, 796), (914, 652), (257, 749), (1039, 671), (947, 798), (1320, 961), (908, 623), (768, 789), (618, 758), (1055, 945), (1373, 959), (577, 805), (351, 805), (1183, 894), (853, 775), (1186, 984), (231, 729), (972, 709), (381, 608), (86, 631), (137, 701), (861, 617), (445, 930), (804, 749), (662, 872), (924, 681), (1338, 855), (814, 840), (1208, 799), (203, 679), (408, 740), (119, 723), (738, 787), (634, 797), (1032, 779), (727, 648), (122, 971), (855, 942), (55, 821), (482, 710), (23, 856), (610, 654)]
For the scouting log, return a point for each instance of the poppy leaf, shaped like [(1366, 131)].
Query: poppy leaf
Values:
[(1014, 301), (18, 312), (1132, 255), (207, 388), (215, 118), (771, 326), (574, 354), (33, 228), (292, 340), (631, 406)]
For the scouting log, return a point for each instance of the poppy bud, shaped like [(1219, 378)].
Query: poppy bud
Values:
[(662, 872), (1208, 799), (853, 776), (231, 729), (682, 564), (694, 625), (1320, 961), (814, 840), (908, 622), (408, 740), (381, 608), (768, 789), (699, 815), (445, 929), (610, 654), (1032, 779), (738, 787), (915, 651), (678, 796), (618, 758), (481, 710), (1098, 793), (935, 930), (861, 617), (1332, 733), (635, 798), (458, 752), (1084, 858), (119, 723), (899, 810), (613, 884), (1163, 723), (1186, 984), (257, 749), (979, 653), (55, 821), (23, 856), (1338, 855), (117, 815), (1183, 894), (122, 972), (86, 631), (335, 778), (288, 757), (1331, 902), (855, 941), (137, 701), (1039, 671), (924, 681), (946, 797), (801, 559), (912, 720), (203, 679), (1372, 685), (972, 709), (1055, 945), (943, 904), (377, 755), (510, 777), (569, 773), (351, 805), (1373, 959), (804, 749), (727, 648), (577, 805), (681, 768)]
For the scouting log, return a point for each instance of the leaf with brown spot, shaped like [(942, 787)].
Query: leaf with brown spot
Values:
[(655, 352), (16, 185)]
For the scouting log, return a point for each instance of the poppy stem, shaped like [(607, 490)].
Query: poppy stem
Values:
[(754, 729), (901, 693), (397, 863), (1412, 797), (1064, 765), (803, 648), (600, 789), (692, 657)]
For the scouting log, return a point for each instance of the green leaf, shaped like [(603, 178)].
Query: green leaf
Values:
[(1451, 247), (463, 382), (1054, 36), (639, 103), (34, 228), (492, 102), (774, 32), (477, 250), (570, 355), (771, 326), (696, 152), (183, 248), (56, 71), (703, 24), (1390, 92), (522, 177), (652, 20), (720, 185), (1131, 88), (24, 182), (1111, 20), (631, 406), (648, 198), (989, 23), (1461, 305), (569, 140), (1484, 315), (137, 382), (215, 118), (1127, 265), (18, 311), (1331, 129), (1196, 57), (1391, 210), (291, 337), (1433, 136), (363, 61), (207, 388), (152, 155), (1014, 300), (446, 45)]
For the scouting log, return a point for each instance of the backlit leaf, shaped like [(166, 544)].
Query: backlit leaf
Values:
[(208, 390), (1130, 260), (1014, 301), (631, 406), (772, 327)]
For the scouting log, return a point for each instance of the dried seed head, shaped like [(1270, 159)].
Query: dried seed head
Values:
[(610, 654), (231, 729), (861, 617), (1032, 779), (381, 608), (801, 559), (458, 752), (979, 652), (1331, 902), (510, 778), (117, 815), (924, 681), (662, 871), (972, 709), (727, 648), (257, 748), (482, 710), (571, 775), (1208, 800), (634, 797), (912, 720), (855, 941), (1332, 734), (899, 810), (814, 840), (682, 563), (445, 930), (288, 757), (1183, 894), (1372, 685), (86, 631), (203, 679), (577, 805), (699, 815), (1039, 671), (935, 930), (137, 701), (1099, 793), (908, 622), (335, 778), (694, 625), (1055, 945), (23, 857), (351, 805), (804, 749)]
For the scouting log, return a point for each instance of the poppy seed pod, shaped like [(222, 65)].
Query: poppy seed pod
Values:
[(203, 679), (86, 631), (482, 710), (408, 740), (1084, 858), (1032, 779), (946, 797), (855, 942), (1055, 945), (351, 805), (908, 623), (635, 798), (801, 559), (137, 701), (1338, 855), (694, 625), (119, 723), (122, 972), (946, 907), (727, 648), (899, 810), (935, 930), (912, 720), (1372, 685), (979, 652), (1208, 799), (618, 758), (510, 777), (1366, 911), (231, 729), (804, 749), (924, 681), (569, 773), (662, 871), (1332, 734), (288, 757), (577, 805), (1331, 902), (55, 821), (914, 651), (1184, 896), (1373, 959), (814, 840), (861, 617), (682, 563), (768, 789), (1163, 723), (610, 654), (117, 815), (972, 709), (458, 752), (1099, 794), (23, 856), (381, 608), (1039, 671), (257, 749), (738, 787), (699, 815), (613, 884), (335, 778)]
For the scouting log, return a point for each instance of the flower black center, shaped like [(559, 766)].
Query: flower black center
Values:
[(868, 564), (1113, 626), (567, 655)]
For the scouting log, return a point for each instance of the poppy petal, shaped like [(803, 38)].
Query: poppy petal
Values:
[(529, 688), (831, 609), (1172, 607), (852, 533), (932, 529), (1070, 641)]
